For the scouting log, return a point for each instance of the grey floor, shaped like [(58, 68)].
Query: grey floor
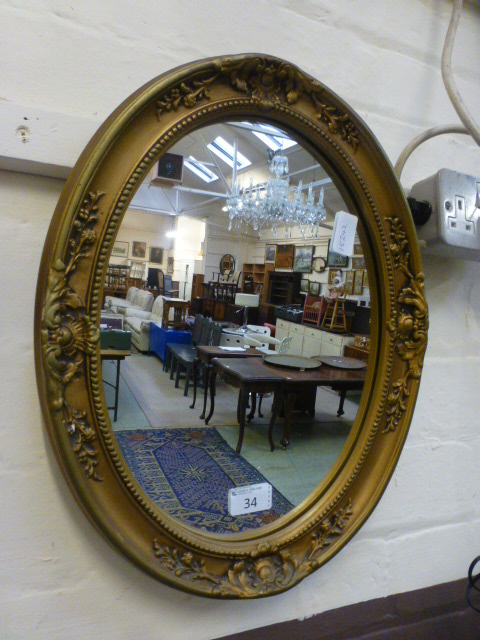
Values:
[(149, 399)]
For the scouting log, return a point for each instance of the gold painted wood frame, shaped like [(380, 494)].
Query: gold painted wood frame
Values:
[(69, 295)]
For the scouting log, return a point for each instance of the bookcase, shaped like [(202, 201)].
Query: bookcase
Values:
[(259, 274), (284, 288)]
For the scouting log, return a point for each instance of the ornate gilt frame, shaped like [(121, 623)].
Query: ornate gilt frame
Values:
[(69, 296)]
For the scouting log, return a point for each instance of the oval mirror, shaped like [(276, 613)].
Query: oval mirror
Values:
[(284, 543), (227, 263)]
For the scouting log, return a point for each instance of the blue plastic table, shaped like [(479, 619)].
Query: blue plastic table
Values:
[(160, 338)]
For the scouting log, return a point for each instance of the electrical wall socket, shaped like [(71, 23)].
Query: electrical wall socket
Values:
[(453, 229)]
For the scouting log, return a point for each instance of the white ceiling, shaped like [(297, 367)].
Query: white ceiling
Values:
[(207, 199)]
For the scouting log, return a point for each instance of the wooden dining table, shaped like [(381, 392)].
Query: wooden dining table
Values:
[(205, 355), (254, 375)]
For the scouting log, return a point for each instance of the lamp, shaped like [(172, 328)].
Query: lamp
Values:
[(246, 300)]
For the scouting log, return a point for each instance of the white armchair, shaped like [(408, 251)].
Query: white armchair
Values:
[(262, 343), (138, 322), (136, 298)]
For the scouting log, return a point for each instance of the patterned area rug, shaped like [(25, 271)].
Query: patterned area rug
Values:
[(188, 473)]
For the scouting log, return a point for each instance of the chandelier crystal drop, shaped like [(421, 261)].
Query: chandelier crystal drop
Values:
[(270, 205)]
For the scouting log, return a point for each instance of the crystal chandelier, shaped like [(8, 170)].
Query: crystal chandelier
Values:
[(269, 206)]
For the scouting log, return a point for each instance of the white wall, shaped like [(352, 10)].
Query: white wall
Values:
[(150, 228), (188, 243), (65, 67), (256, 254)]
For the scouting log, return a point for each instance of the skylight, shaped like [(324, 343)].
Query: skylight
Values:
[(225, 151), (201, 170), (274, 138)]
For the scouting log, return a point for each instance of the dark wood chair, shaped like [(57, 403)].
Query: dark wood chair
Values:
[(186, 358), (199, 332)]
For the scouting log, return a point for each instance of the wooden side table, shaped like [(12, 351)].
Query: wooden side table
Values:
[(180, 308)]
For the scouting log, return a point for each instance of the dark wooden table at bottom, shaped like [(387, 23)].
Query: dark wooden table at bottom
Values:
[(205, 355), (252, 375)]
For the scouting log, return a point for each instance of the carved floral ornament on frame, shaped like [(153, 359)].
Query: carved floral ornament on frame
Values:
[(70, 287)]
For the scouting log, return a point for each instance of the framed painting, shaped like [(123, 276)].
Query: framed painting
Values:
[(156, 255), (314, 288), (358, 283), (304, 286), (270, 253), (349, 280), (170, 265), (357, 249), (120, 250), (358, 262), (332, 273), (335, 259), (302, 262), (284, 256), (139, 249)]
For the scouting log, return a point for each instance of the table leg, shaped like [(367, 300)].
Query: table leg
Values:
[(276, 406), (340, 411), (195, 369), (117, 387), (289, 403), (243, 399), (206, 379), (212, 377), (253, 399), (260, 414)]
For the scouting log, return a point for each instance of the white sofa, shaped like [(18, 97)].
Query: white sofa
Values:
[(138, 322), (136, 299)]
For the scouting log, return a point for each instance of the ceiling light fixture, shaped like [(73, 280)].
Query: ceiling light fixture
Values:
[(269, 206)]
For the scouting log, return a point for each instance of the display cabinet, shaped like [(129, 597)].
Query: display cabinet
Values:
[(284, 288)]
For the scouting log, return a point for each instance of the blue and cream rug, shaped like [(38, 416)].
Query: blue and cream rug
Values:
[(188, 472)]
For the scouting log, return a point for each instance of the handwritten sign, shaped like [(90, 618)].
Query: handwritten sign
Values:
[(343, 234)]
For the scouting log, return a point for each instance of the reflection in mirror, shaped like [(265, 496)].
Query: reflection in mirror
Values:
[(190, 427), (227, 263)]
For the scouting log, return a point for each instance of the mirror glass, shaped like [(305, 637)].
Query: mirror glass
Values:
[(178, 224), (227, 263)]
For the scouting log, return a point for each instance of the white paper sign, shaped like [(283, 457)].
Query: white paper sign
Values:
[(343, 234), (255, 497)]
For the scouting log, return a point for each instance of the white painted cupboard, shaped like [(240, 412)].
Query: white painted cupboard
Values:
[(309, 342)]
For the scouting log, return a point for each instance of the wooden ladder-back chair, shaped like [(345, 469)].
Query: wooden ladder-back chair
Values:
[(314, 310)]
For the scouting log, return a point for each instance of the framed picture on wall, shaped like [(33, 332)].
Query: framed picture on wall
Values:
[(170, 265), (139, 249), (335, 259), (156, 255), (357, 249), (332, 273), (302, 262), (120, 250), (284, 256), (358, 283), (304, 285), (358, 262), (349, 280), (270, 252), (314, 288)]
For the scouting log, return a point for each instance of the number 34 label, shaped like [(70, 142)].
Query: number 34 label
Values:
[(255, 497)]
